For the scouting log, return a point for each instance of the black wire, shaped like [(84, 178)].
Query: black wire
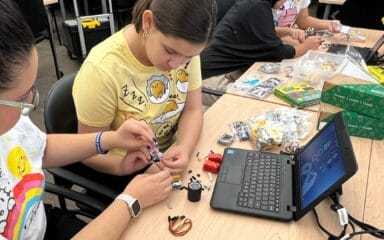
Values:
[(330, 235), (351, 235), (367, 228)]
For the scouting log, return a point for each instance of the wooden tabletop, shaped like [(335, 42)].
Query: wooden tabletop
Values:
[(49, 2), (213, 224), (334, 2), (375, 188)]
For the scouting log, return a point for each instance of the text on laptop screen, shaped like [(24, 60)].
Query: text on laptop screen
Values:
[(321, 165)]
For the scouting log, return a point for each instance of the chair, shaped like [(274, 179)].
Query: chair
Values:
[(35, 15), (60, 117)]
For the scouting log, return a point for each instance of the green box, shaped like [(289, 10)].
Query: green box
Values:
[(358, 125), (355, 95)]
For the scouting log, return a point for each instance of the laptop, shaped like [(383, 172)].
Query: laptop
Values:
[(285, 187), (368, 54)]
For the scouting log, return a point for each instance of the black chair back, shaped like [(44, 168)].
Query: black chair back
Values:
[(59, 110)]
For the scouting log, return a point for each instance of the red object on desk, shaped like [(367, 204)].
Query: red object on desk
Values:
[(215, 157), (211, 166)]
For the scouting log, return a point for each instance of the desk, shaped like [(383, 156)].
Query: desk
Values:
[(213, 224), (328, 4), (373, 213), (371, 37), (51, 15), (49, 2)]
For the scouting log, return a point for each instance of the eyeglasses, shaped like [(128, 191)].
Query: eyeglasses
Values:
[(26, 108)]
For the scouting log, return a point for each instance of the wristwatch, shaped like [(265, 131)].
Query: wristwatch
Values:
[(133, 204)]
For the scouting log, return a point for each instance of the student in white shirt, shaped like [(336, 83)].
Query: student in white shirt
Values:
[(25, 150)]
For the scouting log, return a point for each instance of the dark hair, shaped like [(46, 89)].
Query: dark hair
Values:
[(192, 20), (16, 42)]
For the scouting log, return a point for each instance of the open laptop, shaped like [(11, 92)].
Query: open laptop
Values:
[(285, 187), (368, 54)]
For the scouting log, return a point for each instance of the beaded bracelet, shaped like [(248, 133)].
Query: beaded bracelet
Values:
[(98, 144)]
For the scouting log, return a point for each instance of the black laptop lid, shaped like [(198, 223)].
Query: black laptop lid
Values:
[(323, 165), (374, 50)]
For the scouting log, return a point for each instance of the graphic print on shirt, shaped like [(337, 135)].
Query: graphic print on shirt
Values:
[(7, 202), (168, 118), (133, 97), (26, 193), (288, 13), (18, 162), (158, 89), (182, 80), (173, 107)]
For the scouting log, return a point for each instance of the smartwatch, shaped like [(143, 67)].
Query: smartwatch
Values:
[(133, 204)]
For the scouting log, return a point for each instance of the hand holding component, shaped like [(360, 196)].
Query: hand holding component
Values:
[(150, 188), (134, 161), (131, 135), (333, 26), (312, 42), (298, 34), (176, 158)]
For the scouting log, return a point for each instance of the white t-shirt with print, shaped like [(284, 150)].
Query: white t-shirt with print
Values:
[(287, 15), (22, 182)]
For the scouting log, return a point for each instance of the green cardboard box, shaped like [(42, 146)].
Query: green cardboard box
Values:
[(355, 95), (358, 125)]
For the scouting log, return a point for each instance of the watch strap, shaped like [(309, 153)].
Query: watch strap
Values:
[(131, 201)]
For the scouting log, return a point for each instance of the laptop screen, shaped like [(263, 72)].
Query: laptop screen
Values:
[(321, 165)]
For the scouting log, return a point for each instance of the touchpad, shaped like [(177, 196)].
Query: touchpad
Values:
[(234, 175)]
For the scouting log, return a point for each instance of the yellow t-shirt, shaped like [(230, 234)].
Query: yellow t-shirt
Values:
[(112, 85)]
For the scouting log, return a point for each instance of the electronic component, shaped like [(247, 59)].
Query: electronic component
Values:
[(215, 157), (210, 166), (155, 156), (179, 225), (194, 191), (226, 139), (176, 182)]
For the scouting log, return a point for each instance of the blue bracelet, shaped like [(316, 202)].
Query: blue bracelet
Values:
[(98, 145)]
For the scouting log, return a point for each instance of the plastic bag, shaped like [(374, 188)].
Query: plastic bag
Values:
[(283, 127), (315, 67)]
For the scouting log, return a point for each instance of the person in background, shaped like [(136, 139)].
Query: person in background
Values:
[(244, 36), (362, 14), (149, 71), (293, 18), (25, 150)]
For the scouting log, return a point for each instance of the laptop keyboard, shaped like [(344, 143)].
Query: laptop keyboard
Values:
[(260, 188)]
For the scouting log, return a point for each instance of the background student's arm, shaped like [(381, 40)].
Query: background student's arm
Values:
[(310, 43), (304, 21), (295, 33)]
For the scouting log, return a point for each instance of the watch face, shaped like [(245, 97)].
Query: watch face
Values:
[(136, 207)]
